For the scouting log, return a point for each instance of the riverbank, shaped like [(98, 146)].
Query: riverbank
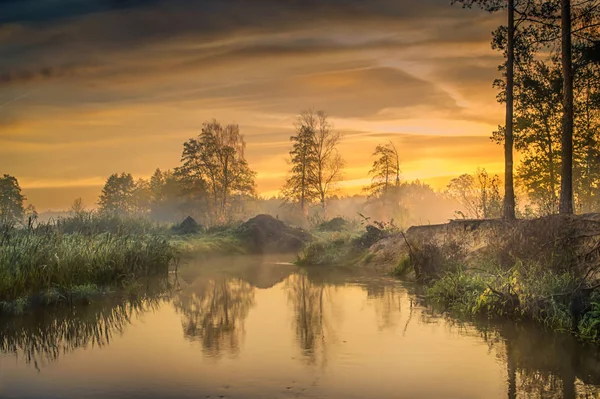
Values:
[(543, 270), (77, 258), (88, 255)]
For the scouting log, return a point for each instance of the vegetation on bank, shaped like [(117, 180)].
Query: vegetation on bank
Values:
[(550, 278), (343, 244), (76, 258)]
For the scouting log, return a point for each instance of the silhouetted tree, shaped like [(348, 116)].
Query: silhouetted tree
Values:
[(117, 195), (298, 188), (479, 195), (214, 164), (315, 160), (566, 181), (385, 174), (11, 200), (509, 69)]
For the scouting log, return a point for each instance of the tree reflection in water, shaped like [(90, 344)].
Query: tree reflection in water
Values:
[(311, 316), (539, 364), (213, 312), (386, 299), (43, 336)]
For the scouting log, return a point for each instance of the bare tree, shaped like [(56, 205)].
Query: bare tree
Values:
[(328, 162)]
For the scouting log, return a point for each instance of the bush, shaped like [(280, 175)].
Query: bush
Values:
[(336, 224)]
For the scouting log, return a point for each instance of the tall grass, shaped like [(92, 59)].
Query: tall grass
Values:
[(52, 260)]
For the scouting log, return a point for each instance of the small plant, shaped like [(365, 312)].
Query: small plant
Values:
[(589, 326), (403, 267)]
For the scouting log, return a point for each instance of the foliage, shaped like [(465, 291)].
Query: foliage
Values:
[(316, 165), (215, 169), (94, 223), (403, 267), (478, 195), (11, 200), (61, 259), (385, 173), (336, 224), (336, 250), (117, 195), (589, 327)]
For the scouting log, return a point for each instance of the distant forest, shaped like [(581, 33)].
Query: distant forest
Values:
[(549, 82)]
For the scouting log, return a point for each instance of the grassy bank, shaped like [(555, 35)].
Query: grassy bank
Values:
[(545, 271), (341, 247), (77, 257)]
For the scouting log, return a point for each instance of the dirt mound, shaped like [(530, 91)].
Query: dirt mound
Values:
[(264, 233), (188, 226)]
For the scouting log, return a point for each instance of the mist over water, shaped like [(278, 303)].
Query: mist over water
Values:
[(260, 327)]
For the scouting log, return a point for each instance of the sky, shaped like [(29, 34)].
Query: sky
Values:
[(94, 87)]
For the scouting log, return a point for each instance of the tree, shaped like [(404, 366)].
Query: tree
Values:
[(298, 188), (11, 200), (385, 178), (493, 6), (328, 162), (77, 207), (142, 197), (537, 132), (385, 173), (31, 213), (117, 195), (316, 165), (478, 195), (214, 164), (566, 181)]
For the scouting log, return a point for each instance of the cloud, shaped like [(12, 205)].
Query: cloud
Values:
[(119, 85)]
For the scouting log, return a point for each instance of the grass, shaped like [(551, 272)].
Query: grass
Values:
[(77, 257), (209, 244), (344, 248), (403, 268), (332, 250), (527, 291)]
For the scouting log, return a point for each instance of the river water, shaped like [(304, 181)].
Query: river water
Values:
[(260, 328)]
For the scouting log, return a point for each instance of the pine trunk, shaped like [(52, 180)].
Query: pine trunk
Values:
[(509, 193), (566, 182)]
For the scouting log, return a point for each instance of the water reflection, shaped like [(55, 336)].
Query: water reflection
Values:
[(539, 363), (44, 336), (213, 313), (311, 320), (386, 300), (341, 323)]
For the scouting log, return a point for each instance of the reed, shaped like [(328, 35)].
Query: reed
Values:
[(53, 260)]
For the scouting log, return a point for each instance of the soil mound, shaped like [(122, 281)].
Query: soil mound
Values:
[(264, 234), (188, 226)]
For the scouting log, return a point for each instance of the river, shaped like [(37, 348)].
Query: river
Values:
[(261, 328)]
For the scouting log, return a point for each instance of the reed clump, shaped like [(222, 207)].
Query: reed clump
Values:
[(50, 262)]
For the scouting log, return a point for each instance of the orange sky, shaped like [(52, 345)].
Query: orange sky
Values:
[(91, 90)]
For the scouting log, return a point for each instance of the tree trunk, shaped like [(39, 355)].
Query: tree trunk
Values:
[(566, 182), (509, 192)]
